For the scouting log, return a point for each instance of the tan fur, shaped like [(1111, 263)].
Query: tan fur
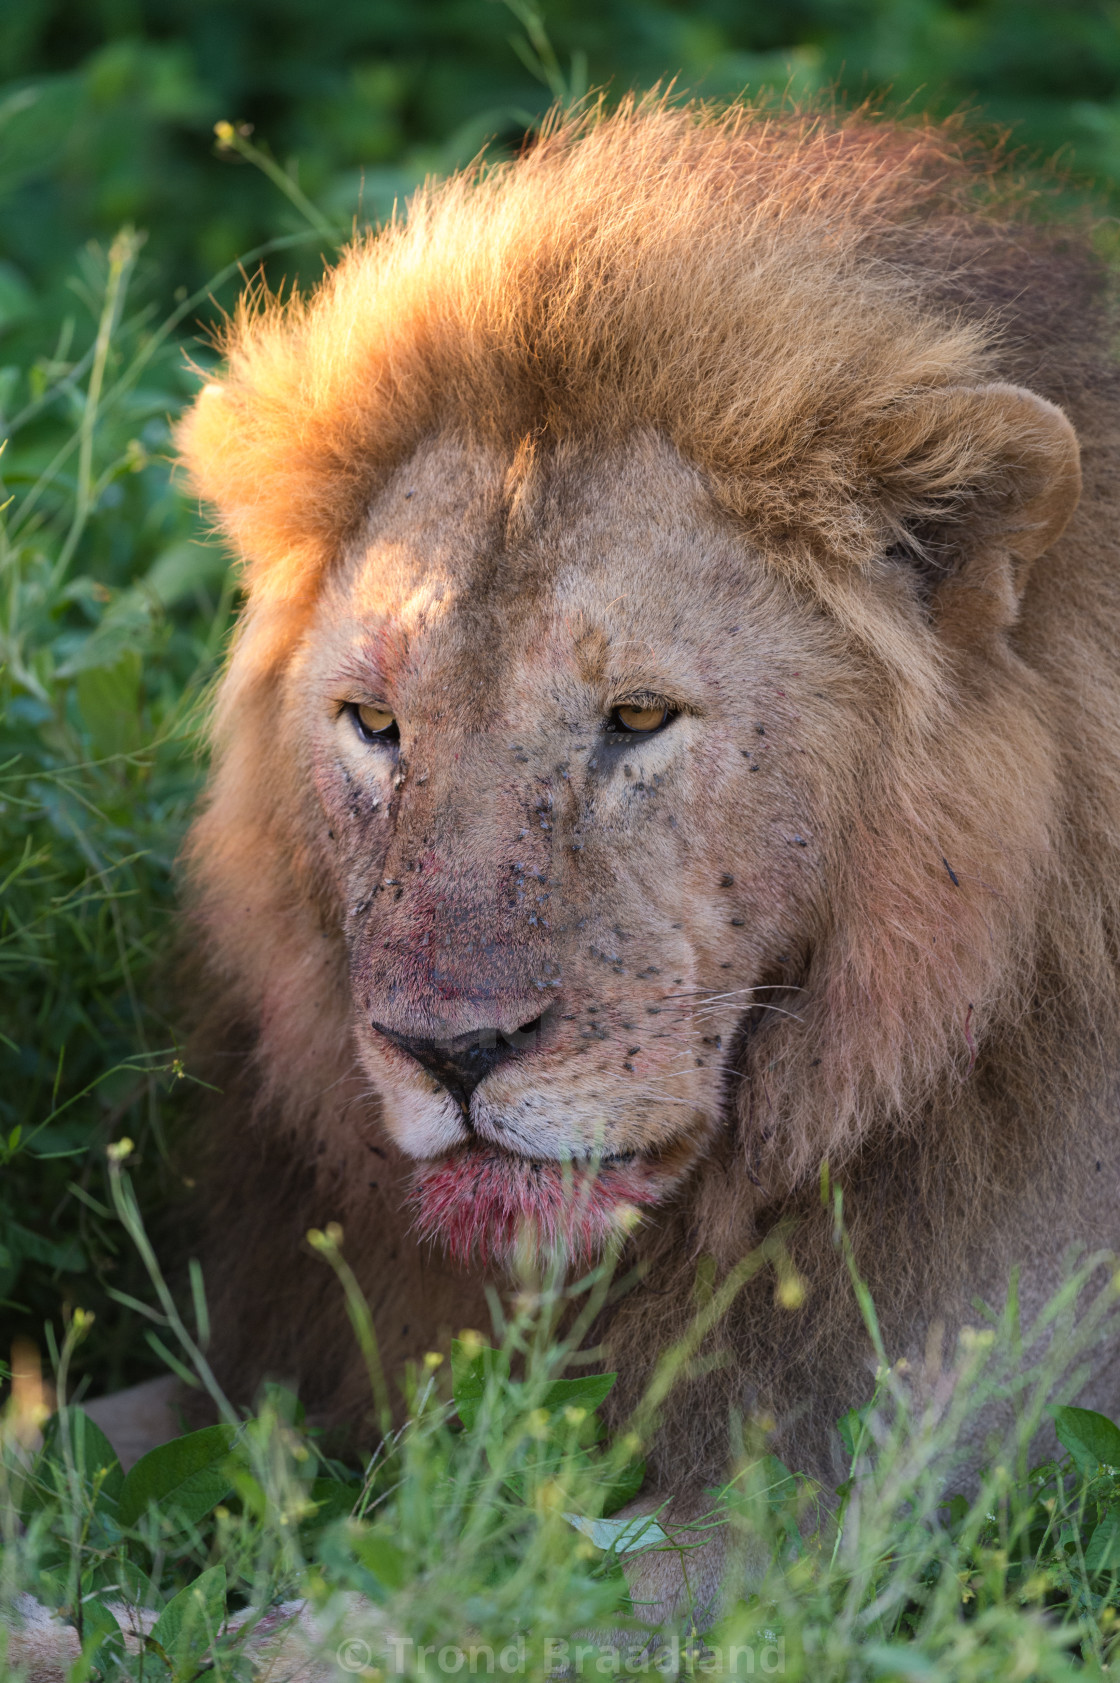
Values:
[(766, 416)]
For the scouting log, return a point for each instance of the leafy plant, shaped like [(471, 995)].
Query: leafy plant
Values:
[(488, 1520)]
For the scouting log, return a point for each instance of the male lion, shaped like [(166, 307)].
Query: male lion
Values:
[(672, 740)]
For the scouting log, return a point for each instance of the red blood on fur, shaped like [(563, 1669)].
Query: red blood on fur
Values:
[(477, 1201)]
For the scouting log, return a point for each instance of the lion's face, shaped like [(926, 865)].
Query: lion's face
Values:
[(571, 743)]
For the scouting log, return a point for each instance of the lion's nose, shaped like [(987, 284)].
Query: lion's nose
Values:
[(461, 1064)]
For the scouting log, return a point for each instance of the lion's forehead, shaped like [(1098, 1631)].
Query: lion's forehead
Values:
[(475, 579)]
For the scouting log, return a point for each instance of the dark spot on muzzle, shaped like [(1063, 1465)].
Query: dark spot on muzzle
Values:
[(461, 1064)]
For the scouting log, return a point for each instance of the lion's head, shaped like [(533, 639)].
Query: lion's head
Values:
[(624, 749)]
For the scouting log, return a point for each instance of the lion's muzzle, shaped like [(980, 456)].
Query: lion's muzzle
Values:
[(462, 1063)]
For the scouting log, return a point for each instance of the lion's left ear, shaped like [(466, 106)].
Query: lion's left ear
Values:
[(978, 481)]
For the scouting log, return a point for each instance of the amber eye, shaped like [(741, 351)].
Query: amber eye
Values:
[(374, 724), (639, 720)]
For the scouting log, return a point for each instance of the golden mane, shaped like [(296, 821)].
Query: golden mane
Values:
[(657, 268)]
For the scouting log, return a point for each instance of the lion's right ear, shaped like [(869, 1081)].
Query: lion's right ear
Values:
[(243, 460), (978, 481), (207, 441), (202, 435)]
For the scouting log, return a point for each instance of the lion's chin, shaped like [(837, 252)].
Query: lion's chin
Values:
[(482, 1204)]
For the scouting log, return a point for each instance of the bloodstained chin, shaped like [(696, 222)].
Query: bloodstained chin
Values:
[(477, 1201)]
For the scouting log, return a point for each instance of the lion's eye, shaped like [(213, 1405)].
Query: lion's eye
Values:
[(639, 720), (374, 724)]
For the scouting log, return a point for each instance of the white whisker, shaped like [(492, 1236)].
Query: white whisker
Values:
[(781, 1011), (759, 987)]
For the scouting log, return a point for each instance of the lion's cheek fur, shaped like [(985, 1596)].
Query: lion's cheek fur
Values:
[(930, 915)]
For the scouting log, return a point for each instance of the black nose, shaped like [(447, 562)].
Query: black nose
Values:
[(462, 1063)]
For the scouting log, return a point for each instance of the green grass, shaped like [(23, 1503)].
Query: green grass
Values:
[(112, 617), (488, 1522), (114, 611)]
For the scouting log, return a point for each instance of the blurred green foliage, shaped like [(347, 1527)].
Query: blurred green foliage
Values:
[(111, 618), (113, 611), (110, 107)]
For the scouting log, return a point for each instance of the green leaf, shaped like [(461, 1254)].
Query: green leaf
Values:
[(1091, 1439), (853, 1433), (472, 1370), (588, 1392), (358, 1558), (957, 1509), (109, 702), (897, 1661), (188, 1475), (624, 1486), (120, 1579), (184, 569), (17, 300), (24, 1245), (333, 1500), (189, 1623), (776, 1481), (70, 1436), (383, 1559), (251, 1492), (102, 1641), (621, 1535), (1103, 1552), (283, 1402)]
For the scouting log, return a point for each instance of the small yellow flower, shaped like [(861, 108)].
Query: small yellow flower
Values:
[(325, 1240), (1036, 1587), (790, 1293), (432, 1360), (549, 1496)]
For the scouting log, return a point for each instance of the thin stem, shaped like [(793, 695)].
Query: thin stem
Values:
[(232, 139), (122, 256), (327, 1245), (128, 1213)]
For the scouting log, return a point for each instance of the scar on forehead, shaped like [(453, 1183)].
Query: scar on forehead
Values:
[(377, 654), (592, 651), (521, 488)]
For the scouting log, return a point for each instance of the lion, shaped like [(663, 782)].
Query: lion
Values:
[(671, 743)]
